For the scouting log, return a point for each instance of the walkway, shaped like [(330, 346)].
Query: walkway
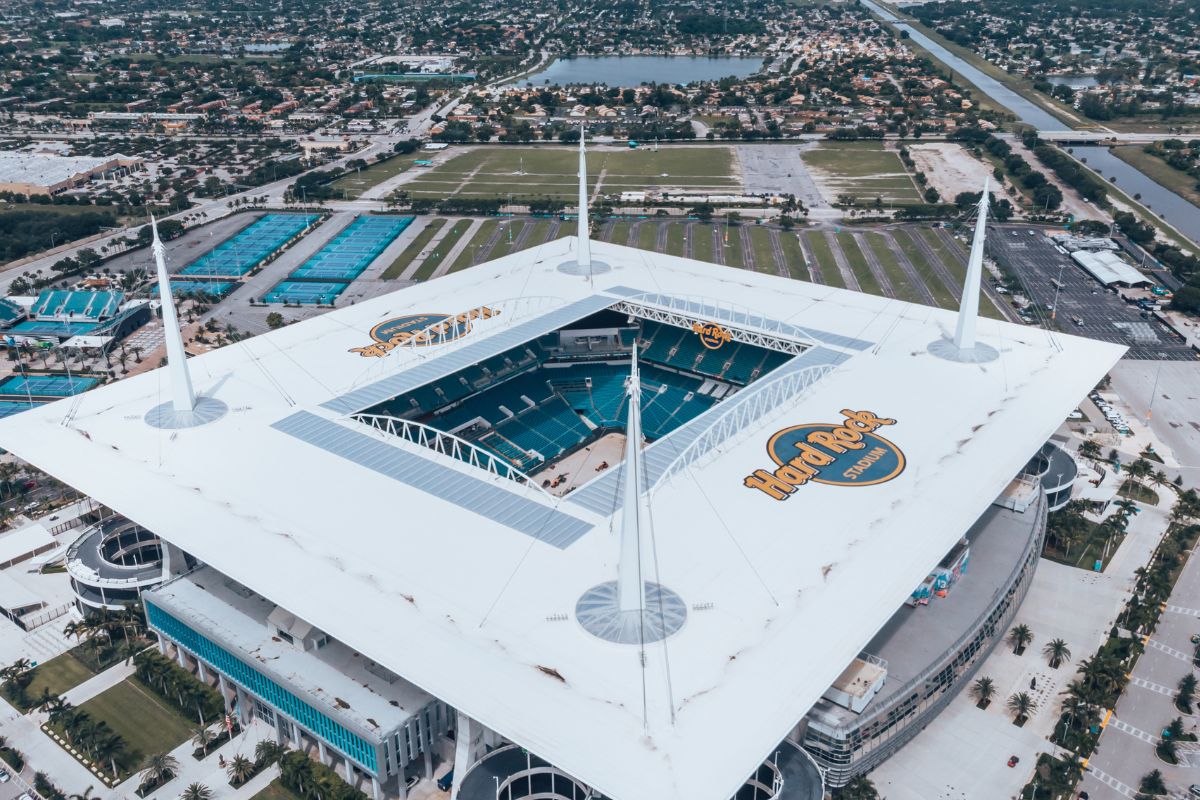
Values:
[(98, 683)]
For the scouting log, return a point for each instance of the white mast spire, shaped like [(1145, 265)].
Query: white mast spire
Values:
[(631, 592), (182, 396), (968, 309), (584, 258)]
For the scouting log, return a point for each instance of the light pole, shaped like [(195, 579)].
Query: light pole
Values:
[(1057, 286)]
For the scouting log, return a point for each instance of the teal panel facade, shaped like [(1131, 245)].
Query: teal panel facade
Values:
[(266, 689)]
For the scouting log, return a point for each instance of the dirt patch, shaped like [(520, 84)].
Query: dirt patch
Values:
[(949, 168)]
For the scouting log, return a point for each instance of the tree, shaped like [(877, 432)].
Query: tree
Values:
[(1089, 449), (983, 690), (202, 738), (268, 752), (1187, 693), (275, 320), (240, 769), (1019, 637), (196, 791), (859, 788), (1021, 705), (1152, 783), (160, 768), (86, 794), (1056, 651)]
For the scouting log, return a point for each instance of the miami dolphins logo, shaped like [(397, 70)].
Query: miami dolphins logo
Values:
[(421, 330)]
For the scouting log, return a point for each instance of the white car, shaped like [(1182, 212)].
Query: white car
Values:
[(4, 776)]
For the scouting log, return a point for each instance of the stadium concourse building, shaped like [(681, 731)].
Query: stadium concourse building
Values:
[(587, 520)]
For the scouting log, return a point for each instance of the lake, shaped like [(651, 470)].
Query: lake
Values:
[(623, 71)]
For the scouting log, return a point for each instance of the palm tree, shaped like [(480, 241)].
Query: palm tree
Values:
[(1152, 783), (860, 788), (160, 768), (1187, 693), (203, 737), (1019, 637), (196, 791), (240, 769), (983, 690), (1021, 705), (108, 748), (1057, 652), (268, 752), (86, 794)]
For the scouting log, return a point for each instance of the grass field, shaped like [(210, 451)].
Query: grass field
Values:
[(901, 284), (276, 791), (858, 264), (355, 183), (147, 724), (731, 241), (675, 234), (443, 248), (958, 271), (551, 172), (941, 295), (647, 236), (702, 242), (796, 264), (413, 250), (863, 170), (620, 232), (474, 253), (764, 252), (59, 674), (819, 247)]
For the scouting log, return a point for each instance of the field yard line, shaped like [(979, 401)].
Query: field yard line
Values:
[(873, 264), (840, 259)]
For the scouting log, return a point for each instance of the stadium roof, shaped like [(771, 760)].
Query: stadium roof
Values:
[(449, 576)]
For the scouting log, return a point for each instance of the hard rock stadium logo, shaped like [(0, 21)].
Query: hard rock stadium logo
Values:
[(421, 330), (847, 453), (712, 335)]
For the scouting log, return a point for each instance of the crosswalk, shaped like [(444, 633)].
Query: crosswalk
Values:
[(1189, 612), (1125, 727), (1171, 651), (1151, 686), (1110, 781)]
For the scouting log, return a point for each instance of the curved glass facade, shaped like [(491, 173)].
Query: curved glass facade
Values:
[(881, 731)]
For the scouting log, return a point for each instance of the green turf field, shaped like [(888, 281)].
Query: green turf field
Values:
[(941, 295), (647, 236), (702, 242), (675, 234), (797, 266), (764, 251), (901, 284), (867, 281), (819, 247), (474, 253), (59, 674), (413, 250), (863, 170), (147, 724), (551, 171), (441, 250), (355, 183)]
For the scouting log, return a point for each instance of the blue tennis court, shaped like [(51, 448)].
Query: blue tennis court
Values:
[(352, 250), (306, 292), (217, 289), (63, 330), (45, 385), (235, 257), (10, 407)]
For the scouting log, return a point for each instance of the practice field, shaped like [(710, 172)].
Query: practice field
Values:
[(862, 170), (10, 407), (352, 250), (353, 184), (216, 289), (551, 172)]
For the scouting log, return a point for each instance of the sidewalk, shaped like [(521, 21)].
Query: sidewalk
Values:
[(209, 771), (98, 684)]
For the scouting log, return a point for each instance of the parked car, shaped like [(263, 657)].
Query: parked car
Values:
[(4, 776), (1013, 761)]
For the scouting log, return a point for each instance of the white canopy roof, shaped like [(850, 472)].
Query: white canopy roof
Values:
[(438, 573), (1108, 267)]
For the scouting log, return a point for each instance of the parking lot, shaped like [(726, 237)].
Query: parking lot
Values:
[(1084, 307)]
